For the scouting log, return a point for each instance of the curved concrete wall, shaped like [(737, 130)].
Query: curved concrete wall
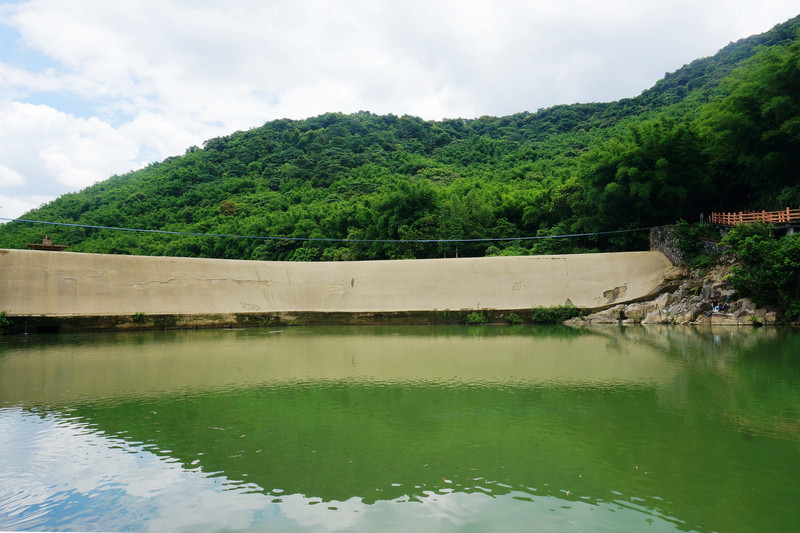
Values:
[(40, 283)]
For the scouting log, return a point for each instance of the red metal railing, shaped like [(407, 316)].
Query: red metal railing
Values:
[(745, 217)]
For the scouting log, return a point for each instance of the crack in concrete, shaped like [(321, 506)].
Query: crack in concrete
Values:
[(156, 282)]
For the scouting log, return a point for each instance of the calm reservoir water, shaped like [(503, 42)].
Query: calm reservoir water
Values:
[(402, 429)]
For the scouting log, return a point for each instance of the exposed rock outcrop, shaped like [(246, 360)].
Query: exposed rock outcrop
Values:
[(691, 303)]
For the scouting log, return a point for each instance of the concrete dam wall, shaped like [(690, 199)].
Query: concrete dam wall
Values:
[(65, 284)]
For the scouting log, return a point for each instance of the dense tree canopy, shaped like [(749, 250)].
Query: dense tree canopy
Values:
[(721, 133), (753, 132)]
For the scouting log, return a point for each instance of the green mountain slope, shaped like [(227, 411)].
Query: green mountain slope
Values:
[(720, 133)]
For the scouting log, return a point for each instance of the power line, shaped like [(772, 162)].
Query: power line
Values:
[(324, 239)]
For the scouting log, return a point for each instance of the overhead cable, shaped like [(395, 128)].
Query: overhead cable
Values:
[(324, 239)]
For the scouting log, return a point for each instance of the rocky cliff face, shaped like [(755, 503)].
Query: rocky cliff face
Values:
[(692, 303)]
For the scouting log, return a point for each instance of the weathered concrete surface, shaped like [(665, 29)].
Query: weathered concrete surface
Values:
[(40, 283)]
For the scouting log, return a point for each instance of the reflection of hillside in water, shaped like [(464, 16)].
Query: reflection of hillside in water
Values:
[(743, 363), (600, 415)]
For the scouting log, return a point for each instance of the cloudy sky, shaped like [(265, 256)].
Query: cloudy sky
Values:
[(92, 88)]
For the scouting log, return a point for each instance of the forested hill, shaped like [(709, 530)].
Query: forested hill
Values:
[(721, 133)]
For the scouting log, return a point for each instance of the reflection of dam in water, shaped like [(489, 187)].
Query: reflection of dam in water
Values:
[(62, 284), (150, 364), (209, 360)]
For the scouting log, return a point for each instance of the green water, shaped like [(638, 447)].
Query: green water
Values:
[(402, 428)]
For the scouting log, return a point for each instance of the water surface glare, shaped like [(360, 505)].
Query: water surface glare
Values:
[(398, 428)]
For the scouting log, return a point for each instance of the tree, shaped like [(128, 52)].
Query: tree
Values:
[(652, 175), (227, 208)]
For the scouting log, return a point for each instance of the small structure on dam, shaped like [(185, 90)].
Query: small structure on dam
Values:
[(98, 291), (47, 244)]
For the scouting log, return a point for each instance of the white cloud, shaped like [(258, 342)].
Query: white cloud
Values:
[(153, 77), (67, 463), (10, 177), (43, 144)]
